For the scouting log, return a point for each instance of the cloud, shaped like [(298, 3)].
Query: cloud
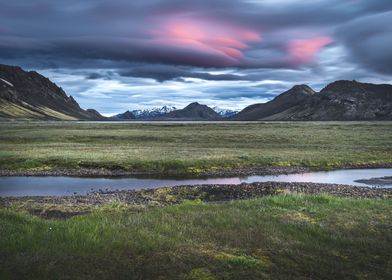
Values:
[(200, 33), (161, 73), (121, 54), (304, 50), (368, 40)]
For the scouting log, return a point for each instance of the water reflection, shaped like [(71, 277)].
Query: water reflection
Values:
[(345, 176), (59, 186)]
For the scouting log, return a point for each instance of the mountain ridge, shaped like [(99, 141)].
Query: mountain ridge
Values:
[(153, 112), (339, 100), (29, 95), (146, 114), (285, 100)]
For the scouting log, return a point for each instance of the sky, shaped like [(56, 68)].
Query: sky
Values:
[(119, 55)]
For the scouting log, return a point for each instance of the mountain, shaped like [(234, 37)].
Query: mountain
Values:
[(124, 116), (193, 111), (154, 112), (340, 100), (294, 96), (29, 95), (225, 113)]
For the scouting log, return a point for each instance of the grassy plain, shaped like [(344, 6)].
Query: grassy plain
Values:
[(277, 237), (192, 148), (290, 236)]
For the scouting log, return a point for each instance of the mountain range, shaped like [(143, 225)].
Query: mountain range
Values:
[(340, 100), (29, 95), (144, 114), (158, 112)]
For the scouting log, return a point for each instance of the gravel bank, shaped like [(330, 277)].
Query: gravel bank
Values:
[(88, 172), (68, 206), (262, 170)]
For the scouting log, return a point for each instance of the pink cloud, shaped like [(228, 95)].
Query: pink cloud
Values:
[(223, 40), (303, 51)]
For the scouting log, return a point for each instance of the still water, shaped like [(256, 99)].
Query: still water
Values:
[(60, 186)]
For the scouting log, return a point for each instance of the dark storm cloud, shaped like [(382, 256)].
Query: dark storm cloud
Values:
[(121, 30), (154, 50), (369, 40)]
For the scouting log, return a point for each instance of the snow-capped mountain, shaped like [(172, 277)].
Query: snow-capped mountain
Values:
[(225, 113), (153, 112), (160, 111)]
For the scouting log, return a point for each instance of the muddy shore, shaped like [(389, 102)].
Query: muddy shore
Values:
[(262, 170), (68, 206)]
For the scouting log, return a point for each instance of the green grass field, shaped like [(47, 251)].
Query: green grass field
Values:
[(193, 148), (279, 237)]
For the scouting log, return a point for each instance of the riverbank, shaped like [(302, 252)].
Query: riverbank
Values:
[(68, 206), (240, 172), (95, 172)]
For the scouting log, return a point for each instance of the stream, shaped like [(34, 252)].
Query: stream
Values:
[(64, 186)]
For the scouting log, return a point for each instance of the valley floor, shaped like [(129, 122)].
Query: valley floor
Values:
[(57, 148), (249, 231)]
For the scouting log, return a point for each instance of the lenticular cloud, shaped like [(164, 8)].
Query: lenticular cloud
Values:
[(220, 40)]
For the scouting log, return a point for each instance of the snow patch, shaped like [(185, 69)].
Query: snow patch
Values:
[(225, 113), (7, 83), (154, 112)]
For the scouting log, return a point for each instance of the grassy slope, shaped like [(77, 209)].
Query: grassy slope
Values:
[(193, 147), (10, 110), (280, 237)]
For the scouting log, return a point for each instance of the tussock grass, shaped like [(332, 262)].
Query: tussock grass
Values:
[(193, 148), (279, 237)]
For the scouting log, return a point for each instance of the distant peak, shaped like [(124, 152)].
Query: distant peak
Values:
[(194, 104), (125, 116), (344, 85), (345, 82), (297, 90), (302, 87)]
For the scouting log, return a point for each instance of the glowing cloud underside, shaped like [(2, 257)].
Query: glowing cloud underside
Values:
[(303, 51), (208, 42), (209, 38)]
